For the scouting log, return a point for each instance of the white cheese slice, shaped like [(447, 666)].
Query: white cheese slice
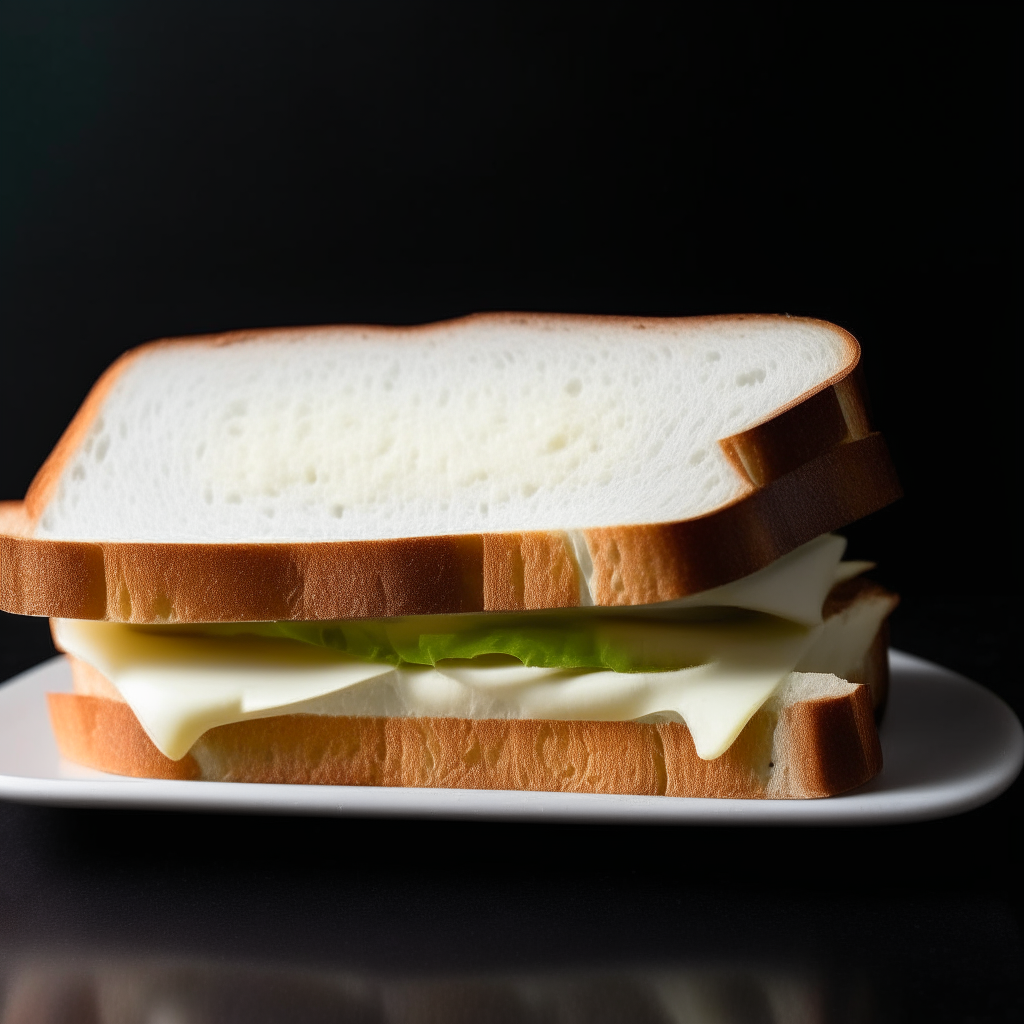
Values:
[(181, 686), (793, 587)]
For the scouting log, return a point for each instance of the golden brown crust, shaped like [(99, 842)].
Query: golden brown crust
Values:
[(63, 579), (849, 592), (813, 467), (827, 746), (237, 582), (105, 734), (525, 571), (799, 433), (831, 743)]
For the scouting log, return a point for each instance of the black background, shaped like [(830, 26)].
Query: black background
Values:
[(195, 167)]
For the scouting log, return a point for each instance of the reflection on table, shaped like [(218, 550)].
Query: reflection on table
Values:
[(173, 992)]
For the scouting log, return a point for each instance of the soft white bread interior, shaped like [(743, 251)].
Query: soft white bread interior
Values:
[(479, 425), (497, 463)]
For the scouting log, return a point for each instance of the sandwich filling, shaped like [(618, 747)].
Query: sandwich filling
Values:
[(710, 660)]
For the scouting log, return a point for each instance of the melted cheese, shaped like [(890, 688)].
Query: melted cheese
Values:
[(793, 587)]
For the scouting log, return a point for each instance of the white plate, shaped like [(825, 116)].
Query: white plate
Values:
[(949, 745)]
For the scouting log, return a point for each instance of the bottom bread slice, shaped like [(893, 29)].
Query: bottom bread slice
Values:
[(816, 737)]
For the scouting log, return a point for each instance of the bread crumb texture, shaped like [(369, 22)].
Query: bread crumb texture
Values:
[(488, 424)]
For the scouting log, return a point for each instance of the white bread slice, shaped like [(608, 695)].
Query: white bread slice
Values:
[(498, 462), (814, 737)]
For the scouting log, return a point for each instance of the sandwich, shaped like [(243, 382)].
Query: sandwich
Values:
[(567, 553)]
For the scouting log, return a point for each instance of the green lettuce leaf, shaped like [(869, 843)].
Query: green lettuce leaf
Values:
[(552, 640)]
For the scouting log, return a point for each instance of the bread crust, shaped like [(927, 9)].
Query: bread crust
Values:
[(812, 748), (812, 467)]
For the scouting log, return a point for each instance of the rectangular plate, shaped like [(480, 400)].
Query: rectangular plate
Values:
[(948, 744)]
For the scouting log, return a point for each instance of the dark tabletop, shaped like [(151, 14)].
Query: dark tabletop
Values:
[(175, 168)]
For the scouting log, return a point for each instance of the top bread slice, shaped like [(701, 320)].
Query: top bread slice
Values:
[(498, 462)]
